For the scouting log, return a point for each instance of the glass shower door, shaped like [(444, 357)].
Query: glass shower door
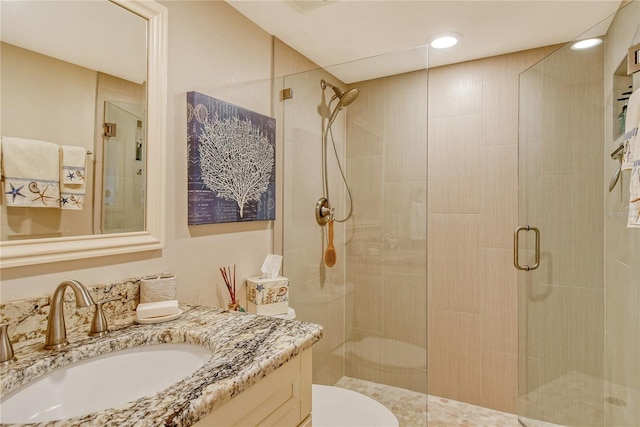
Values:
[(561, 302), (123, 177), (373, 302)]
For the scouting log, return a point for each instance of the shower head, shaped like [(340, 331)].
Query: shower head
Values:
[(348, 97), (344, 98)]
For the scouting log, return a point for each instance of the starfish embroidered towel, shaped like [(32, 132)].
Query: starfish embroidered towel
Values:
[(31, 173), (74, 162), (72, 174)]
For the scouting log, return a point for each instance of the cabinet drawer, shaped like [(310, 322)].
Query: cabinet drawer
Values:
[(278, 399)]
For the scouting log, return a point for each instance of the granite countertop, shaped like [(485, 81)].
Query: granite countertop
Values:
[(245, 348)]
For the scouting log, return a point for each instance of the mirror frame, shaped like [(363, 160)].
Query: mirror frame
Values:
[(40, 251)]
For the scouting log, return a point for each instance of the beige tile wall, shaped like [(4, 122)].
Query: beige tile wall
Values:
[(473, 209), (386, 239)]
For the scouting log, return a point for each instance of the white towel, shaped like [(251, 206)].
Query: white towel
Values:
[(631, 145), (73, 183), (74, 163), (31, 172), (70, 199)]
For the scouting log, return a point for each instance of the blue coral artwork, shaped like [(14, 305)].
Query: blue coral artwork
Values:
[(231, 162)]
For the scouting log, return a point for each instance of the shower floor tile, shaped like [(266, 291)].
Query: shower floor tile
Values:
[(408, 406), (449, 413), (411, 407)]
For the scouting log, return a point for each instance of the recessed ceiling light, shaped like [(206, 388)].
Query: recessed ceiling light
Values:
[(443, 41), (586, 44)]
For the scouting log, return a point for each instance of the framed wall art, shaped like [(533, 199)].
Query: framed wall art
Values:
[(231, 155)]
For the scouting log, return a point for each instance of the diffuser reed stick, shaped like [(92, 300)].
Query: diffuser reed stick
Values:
[(230, 282)]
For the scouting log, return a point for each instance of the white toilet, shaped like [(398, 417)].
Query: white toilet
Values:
[(339, 407)]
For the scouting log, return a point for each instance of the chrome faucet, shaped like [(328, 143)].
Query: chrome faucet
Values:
[(56, 336)]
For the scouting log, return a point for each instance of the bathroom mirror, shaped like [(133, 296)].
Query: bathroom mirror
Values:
[(148, 231)]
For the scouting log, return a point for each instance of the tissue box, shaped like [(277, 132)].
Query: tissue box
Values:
[(267, 296)]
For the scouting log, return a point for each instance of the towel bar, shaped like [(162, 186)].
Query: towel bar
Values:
[(616, 154), (617, 151)]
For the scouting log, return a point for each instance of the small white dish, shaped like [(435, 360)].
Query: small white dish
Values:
[(159, 319)]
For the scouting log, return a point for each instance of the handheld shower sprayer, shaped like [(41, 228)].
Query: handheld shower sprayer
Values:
[(344, 99), (324, 211)]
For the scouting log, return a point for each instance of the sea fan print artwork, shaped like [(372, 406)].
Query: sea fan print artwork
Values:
[(231, 154)]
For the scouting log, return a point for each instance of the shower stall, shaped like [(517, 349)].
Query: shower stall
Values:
[(442, 165)]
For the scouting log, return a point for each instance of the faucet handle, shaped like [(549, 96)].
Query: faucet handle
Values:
[(6, 349), (99, 327)]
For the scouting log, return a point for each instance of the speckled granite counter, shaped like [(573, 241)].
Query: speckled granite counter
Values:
[(246, 348)]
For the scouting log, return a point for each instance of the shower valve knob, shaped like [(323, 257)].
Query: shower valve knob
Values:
[(323, 211)]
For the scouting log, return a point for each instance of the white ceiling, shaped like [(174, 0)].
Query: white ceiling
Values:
[(343, 31), (98, 35)]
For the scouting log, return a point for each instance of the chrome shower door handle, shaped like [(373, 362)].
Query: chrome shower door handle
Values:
[(516, 262)]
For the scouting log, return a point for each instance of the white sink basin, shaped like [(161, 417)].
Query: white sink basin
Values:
[(107, 381)]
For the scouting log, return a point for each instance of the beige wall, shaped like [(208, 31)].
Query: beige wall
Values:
[(622, 250), (51, 100), (473, 209), (216, 51)]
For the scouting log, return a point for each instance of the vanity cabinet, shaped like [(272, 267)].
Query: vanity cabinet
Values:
[(282, 398)]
